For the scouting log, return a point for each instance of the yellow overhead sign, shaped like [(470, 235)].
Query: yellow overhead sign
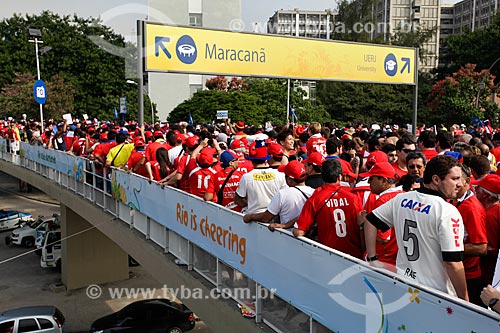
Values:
[(203, 51)]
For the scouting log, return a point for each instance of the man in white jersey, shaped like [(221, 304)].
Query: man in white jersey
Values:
[(429, 230)]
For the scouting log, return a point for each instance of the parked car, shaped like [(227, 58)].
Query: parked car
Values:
[(51, 249), (147, 316), (28, 232), (46, 319), (9, 219)]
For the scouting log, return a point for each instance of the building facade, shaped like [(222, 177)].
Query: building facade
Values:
[(169, 90), (470, 15)]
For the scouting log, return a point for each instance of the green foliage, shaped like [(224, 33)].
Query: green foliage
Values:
[(17, 98), (264, 100), (96, 77), (361, 102), (351, 15), (453, 99)]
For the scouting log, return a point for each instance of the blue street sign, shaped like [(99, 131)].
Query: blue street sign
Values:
[(40, 92)]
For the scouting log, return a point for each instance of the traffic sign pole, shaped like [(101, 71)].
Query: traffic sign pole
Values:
[(36, 41)]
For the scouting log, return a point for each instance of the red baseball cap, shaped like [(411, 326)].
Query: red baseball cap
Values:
[(192, 141), (315, 158), (235, 144), (205, 158), (158, 134), (180, 138), (104, 136), (275, 149), (139, 142), (258, 151), (376, 156), (294, 169), (491, 183), (347, 169), (381, 169)]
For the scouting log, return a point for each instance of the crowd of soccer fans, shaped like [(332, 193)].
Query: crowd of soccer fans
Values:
[(426, 207)]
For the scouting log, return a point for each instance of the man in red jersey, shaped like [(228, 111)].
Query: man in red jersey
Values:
[(200, 176), (316, 141), (223, 186), (475, 240), (335, 210), (488, 193), (382, 180), (154, 146), (427, 144), (137, 160)]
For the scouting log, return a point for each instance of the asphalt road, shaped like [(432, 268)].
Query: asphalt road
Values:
[(24, 283)]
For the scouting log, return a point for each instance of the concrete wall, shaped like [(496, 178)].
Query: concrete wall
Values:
[(88, 256)]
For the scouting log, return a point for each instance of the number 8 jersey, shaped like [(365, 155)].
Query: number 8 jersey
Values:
[(428, 231)]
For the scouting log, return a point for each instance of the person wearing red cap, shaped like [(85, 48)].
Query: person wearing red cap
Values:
[(277, 155), (334, 209), (382, 180), (179, 178), (475, 241), (137, 161), (488, 193), (200, 176), (313, 167), (175, 142), (258, 186), (287, 203), (222, 187), (154, 146), (429, 230)]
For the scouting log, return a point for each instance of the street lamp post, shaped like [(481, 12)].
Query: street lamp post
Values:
[(482, 83), (150, 101), (36, 37)]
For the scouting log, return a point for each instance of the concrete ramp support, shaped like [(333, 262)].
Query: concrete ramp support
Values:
[(89, 256)]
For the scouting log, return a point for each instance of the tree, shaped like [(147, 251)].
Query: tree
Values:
[(96, 76), (17, 98), (220, 83), (264, 100), (454, 99)]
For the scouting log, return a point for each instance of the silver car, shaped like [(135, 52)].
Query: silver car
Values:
[(46, 319)]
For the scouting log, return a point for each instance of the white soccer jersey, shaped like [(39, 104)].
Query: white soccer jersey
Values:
[(428, 231), (288, 202), (259, 186)]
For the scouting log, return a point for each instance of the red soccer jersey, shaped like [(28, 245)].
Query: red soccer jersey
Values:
[(336, 217), (474, 216), (429, 153), (488, 262), (316, 143), (155, 170), (186, 164), (229, 190), (387, 252), (399, 172), (199, 179), (152, 148), (134, 159)]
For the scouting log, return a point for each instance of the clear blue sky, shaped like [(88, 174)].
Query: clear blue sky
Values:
[(125, 13)]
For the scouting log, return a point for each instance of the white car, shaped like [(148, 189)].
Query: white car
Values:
[(9, 219), (28, 233), (51, 249), (46, 319)]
